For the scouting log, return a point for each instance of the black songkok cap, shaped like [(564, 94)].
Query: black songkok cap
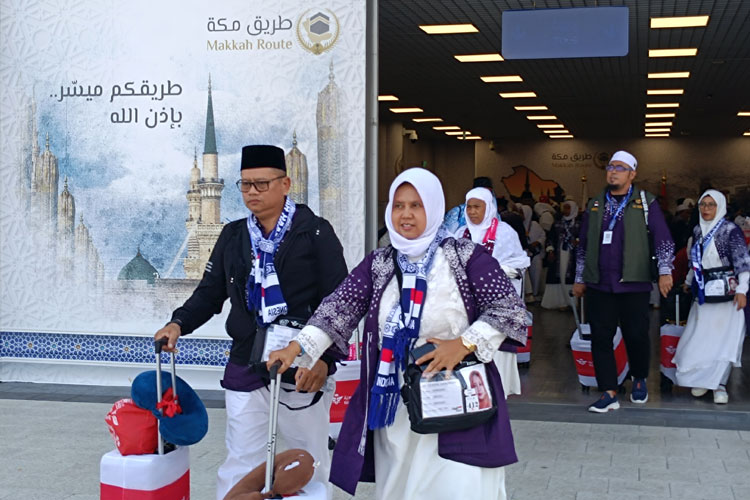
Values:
[(263, 156)]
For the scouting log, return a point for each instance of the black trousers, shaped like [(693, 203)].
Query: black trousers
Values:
[(605, 311)]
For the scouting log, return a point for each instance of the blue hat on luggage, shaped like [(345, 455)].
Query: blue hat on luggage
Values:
[(182, 429)]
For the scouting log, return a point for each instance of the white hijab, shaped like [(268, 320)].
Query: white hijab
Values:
[(721, 210), (573, 210), (711, 255), (431, 191), (490, 212)]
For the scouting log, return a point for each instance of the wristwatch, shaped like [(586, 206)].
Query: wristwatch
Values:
[(471, 347)]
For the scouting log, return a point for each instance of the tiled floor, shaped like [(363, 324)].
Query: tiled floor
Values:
[(52, 436)]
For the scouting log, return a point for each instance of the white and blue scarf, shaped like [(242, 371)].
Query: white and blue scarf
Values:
[(263, 290), (400, 332)]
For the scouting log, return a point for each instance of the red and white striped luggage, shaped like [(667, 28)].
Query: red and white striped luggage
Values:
[(523, 356), (580, 345), (162, 476), (669, 337), (347, 380)]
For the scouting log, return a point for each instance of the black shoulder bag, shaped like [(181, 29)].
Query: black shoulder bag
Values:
[(448, 400), (654, 266)]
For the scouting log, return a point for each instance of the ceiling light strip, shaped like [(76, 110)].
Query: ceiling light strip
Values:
[(448, 29), (679, 22), (467, 58), (686, 52)]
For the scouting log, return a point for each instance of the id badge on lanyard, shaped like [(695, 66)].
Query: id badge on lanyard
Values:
[(278, 337), (607, 235)]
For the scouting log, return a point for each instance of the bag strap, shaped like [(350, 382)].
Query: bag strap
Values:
[(644, 202), (397, 270)]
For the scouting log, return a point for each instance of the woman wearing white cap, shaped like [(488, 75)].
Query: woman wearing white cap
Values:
[(452, 294), (712, 341)]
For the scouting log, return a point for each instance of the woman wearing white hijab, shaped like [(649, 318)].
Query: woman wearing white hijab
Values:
[(561, 244), (712, 341), (536, 237), (484, 227), (453, 294), (497, 237)]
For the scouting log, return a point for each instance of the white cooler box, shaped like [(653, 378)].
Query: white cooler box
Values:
[(145, 477)]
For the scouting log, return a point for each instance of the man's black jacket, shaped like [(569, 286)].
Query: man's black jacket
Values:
[(309, 263)]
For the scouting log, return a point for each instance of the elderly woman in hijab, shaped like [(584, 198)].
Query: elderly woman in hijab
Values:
[(561, 244), (452, 294), (536, 238), (484, 227), (712, 341)]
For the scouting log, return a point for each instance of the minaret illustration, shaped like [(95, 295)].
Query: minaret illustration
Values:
[(296, 167), (332, 175), (204, 201)]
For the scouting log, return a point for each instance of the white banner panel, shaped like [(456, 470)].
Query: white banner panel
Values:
[(122, 126)]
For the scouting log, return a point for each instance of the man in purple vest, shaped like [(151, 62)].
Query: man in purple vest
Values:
[(624, 244)]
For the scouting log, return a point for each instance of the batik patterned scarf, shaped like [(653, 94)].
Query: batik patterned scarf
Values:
[(399, 334), (263, 290)]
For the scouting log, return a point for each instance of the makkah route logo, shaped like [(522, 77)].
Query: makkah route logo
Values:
[(318, 32)]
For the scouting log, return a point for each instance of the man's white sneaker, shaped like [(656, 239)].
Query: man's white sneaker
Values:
[(698, 392)]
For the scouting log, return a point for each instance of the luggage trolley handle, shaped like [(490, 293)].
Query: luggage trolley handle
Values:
[(158, 346), (273, 418), (573, 305)]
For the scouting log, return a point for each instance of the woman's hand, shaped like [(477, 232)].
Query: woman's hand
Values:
[(285, 355), (685, 287), (312, 380), (740, 300), (446, 355)]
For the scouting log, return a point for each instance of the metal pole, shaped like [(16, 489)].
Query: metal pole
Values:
[(371, 128)]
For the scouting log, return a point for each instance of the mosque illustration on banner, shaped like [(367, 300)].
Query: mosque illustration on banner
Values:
[(53, 211)]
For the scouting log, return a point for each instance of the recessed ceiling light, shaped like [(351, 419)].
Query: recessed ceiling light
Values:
[(480, 58), (662, 104), (657, 130), (423, 120), (665, 91), (501, 79), (564, 136), (679, 22), (657, 135), (447, 127), (387, 98), (469, 137), (550, 125), (555, 131), (743, 113), (531, 108), (458, 132), (670, 74), (659, 115), (406, 110), (541, 117), (659, 124), (448, 29), (513, 95), (672, 52)]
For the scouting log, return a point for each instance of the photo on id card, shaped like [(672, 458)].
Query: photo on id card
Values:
[(455, 393)]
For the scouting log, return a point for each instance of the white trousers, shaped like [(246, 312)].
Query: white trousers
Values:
[(247, 433)]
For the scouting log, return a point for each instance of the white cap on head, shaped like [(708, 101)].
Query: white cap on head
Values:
[(626, 158), (687, 204)]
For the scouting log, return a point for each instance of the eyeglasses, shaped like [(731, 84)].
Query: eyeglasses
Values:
[(260, 186), (704, 204), (618, 168)]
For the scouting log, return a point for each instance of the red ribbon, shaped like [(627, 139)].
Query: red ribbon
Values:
[(169, 404)]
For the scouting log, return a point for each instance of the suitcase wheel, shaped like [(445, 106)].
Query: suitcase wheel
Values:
[(585, 389), (621, 389), (524, 365), (331, 443), (665, 384)]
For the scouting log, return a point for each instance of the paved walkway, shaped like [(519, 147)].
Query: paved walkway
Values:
[(51, 451)]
